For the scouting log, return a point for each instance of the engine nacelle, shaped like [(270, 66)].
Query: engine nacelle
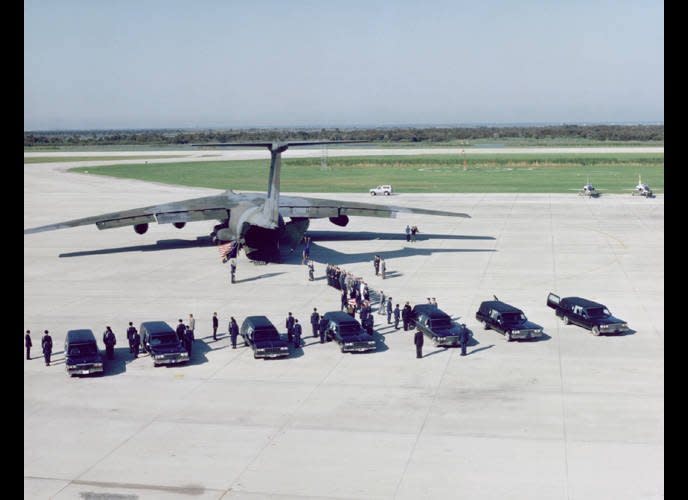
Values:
[(179, 225), (340, 220), (141, 228)]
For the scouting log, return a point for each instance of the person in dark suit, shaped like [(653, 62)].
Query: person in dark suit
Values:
[(290, 328), (389, 310), (215, 324), (233, 331), (463, 338), (406, 316), (109, 340), (28, 344), (322, 327), (188, 340), (297, 333), (181, 331), (136, 342), (315, 319), (47, 346), (418, 340), (130, 336)]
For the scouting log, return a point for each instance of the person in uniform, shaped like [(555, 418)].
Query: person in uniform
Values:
[(389, 310), (463, 338), (136, 342), (297, 333), (315, 319), (397, 314), (130, 336), (188, 340), (232, 270), (408, 233), (322, 328), (376, 264), (109, 340), (181, 331), (215, 324), (418, 340), (233, 331), (192, 325), (381, 306), (28, 344), (290, 328), (47, 346)]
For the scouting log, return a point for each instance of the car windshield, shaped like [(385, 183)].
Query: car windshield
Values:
[(164, 339), (513, 317), (263, 335), (598, 312), (440, 323), (349, 330), (82, 350)]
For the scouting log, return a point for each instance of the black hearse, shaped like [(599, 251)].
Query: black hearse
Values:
[(347, 332), (81, 353), (161, 341), (263, 337), (437, 325), (586, 313), (507, 320)]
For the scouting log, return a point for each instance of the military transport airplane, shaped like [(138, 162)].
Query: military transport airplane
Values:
[(256, 221)]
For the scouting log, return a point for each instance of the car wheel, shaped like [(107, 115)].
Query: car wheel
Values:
[(386, 193), (373, 193), (596, 331), (341, 349), (245, 343), (507, 336), (255, 356), (566, 320), (485, 325)]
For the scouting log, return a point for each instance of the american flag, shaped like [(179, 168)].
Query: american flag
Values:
[(225, 249)]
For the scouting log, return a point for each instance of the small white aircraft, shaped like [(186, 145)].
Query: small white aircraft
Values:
[(642, 189), (588, 190)]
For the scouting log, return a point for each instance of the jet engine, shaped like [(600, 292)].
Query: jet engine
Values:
[(340, 220), (141, 228)]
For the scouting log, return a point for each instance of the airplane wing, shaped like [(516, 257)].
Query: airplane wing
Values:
[(195, 209), (293, 206)]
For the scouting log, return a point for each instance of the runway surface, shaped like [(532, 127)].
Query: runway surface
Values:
[(569, 417)]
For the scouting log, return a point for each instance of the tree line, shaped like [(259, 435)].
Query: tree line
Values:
[(383, 135)]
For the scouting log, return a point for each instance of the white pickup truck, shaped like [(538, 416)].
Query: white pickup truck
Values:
[(385, 189)]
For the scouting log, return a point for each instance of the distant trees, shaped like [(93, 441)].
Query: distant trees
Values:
[(389, 135)]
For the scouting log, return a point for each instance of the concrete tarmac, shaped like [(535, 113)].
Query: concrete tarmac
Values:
[(571, 416)]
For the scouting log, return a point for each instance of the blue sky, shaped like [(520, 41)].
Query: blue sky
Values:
[(159, 64)]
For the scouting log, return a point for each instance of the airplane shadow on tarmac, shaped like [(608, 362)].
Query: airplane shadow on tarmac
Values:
[(175, 244), (328, 256)]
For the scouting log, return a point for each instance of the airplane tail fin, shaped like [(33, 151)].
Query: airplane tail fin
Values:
[(270, 218)]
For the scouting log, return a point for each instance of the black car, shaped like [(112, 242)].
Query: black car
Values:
[(437, 325), (586, 313), (81, 353), (348, 333), (263, 337), (161, 341), (508, 320)]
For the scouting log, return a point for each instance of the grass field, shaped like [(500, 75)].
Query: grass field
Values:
[(518, 173), (52, 159)]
